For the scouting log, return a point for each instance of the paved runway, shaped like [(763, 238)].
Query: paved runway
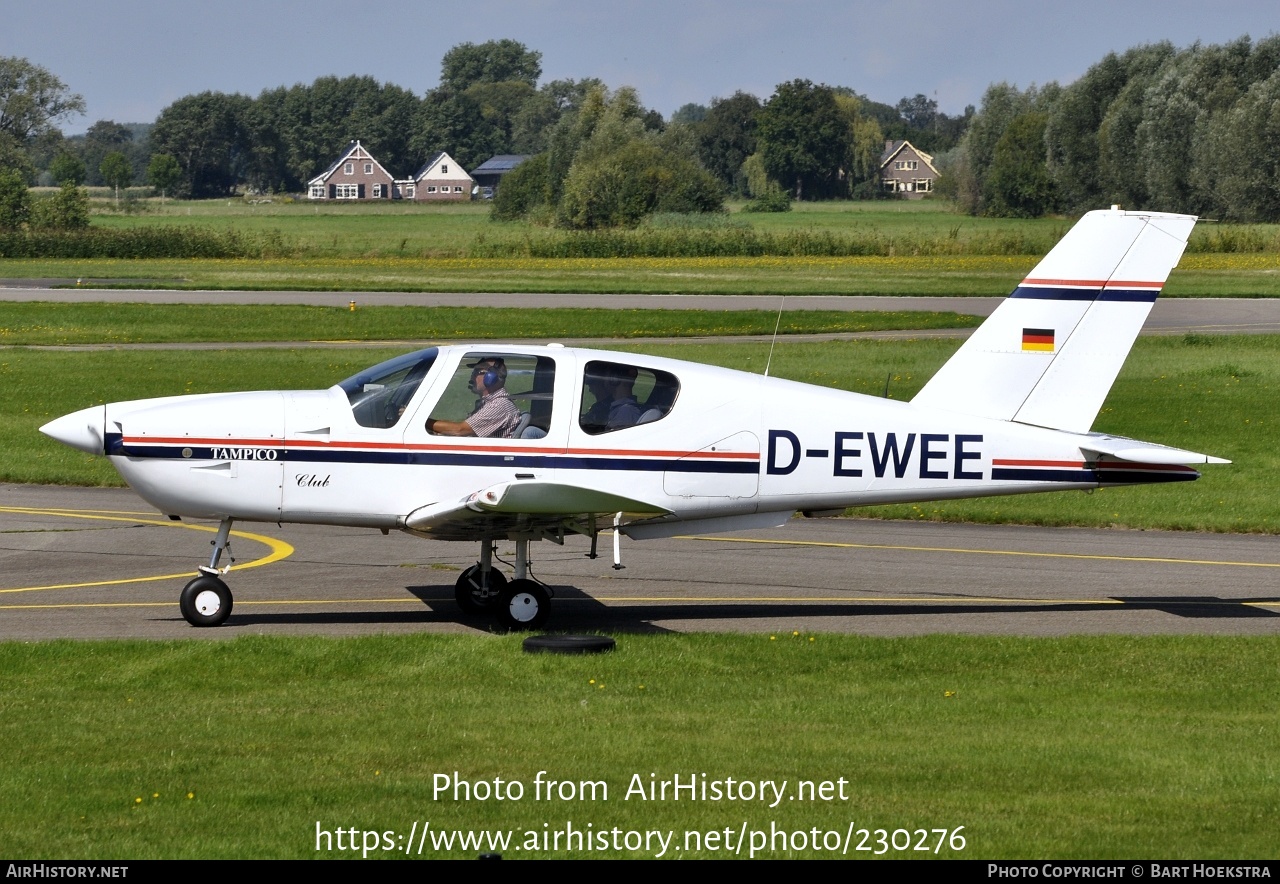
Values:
[(1168, 316), (98, 563)]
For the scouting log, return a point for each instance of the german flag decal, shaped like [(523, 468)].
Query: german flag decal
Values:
[(1037, 339)]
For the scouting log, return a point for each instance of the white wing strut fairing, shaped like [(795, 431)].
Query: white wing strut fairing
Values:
[(502, 442)]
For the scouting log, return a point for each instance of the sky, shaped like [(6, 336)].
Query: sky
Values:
[(131, 58)]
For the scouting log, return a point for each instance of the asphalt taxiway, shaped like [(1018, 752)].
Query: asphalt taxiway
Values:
[(99, 563)]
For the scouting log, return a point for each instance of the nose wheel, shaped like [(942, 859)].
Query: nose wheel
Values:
[(205, 601)]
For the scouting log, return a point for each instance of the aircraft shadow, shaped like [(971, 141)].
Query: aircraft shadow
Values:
[(582, 612)]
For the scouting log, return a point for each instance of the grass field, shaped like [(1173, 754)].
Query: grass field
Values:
[(35, 323), (1102, 747), (1210, 394), (398, 247)]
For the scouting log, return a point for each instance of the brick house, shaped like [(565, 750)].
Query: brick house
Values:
[(355, 175), (906, 170), (440, 178)]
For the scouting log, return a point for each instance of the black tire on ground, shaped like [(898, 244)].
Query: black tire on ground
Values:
[(568, 644), (523, 605), (468, 595), (205, 601)]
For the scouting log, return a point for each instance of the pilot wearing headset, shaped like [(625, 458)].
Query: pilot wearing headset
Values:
[(495, 414)]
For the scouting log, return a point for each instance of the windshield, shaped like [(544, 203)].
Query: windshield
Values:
[(379, 395)]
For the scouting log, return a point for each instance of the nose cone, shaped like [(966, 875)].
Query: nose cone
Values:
[(83, 430)]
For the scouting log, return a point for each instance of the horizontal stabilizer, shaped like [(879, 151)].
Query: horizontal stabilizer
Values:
[(1131, 450), (1048, 355)]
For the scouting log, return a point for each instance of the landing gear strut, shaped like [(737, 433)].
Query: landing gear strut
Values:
[(206, 600), (517, 605)]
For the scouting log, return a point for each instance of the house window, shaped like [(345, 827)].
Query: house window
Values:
[(349, 169), (368, 168), (924, 185), (377, 191), (444, 170), (431, 188), (410, 191), (457, 189), (317, 192), (347, 191)]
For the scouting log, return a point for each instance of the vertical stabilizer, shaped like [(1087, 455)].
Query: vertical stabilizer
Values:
[(1050, 352)]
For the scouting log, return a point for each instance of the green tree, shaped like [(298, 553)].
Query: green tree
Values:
[(103, 137), (803, 138), (1076, 122), (32, 99), (163, 173), (15, 200), (690, 113), (1018, 184), (495, 61), (622, 186), (203, 133), (525, 191), (454, 122), (537, 119), (68, 209), (116, 172), (67, 167), (727, 136), (1245, 141)]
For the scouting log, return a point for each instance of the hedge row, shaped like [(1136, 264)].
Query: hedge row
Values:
[(141, 242), (736, 242)]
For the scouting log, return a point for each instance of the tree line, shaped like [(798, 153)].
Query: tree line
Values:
[(1193, 130), (808, 141)]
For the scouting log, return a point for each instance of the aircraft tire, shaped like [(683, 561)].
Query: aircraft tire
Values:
[(205, 601), (466, 591), (523, 605)]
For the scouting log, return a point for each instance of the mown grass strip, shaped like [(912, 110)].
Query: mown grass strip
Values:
[(1210, 394), (23, 323), (1086, 747), (1240, 275)]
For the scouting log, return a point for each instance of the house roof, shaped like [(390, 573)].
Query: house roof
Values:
[(435, 159), (500, 164), (893, 148), (354, 149)]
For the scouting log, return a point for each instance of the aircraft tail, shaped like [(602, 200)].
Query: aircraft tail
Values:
[(1050, 352)]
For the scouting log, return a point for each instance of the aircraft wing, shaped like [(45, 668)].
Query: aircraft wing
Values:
[(1134, 451), (523, 505)]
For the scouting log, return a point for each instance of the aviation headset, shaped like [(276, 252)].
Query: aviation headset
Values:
[(492, 373)]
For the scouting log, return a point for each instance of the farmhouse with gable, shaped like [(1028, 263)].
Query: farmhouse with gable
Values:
[(356, 175), (906, 170)]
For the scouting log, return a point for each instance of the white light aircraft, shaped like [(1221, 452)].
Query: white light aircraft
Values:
[(574, 441)]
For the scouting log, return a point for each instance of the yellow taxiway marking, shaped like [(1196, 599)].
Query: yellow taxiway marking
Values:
[(982, 552), (279, 549)]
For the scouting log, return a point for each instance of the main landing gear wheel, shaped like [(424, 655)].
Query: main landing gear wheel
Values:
[(205, 601), (523, 605), (472, 597)]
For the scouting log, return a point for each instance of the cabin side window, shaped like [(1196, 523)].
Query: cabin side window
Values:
[(498, 395), (616, 396)]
